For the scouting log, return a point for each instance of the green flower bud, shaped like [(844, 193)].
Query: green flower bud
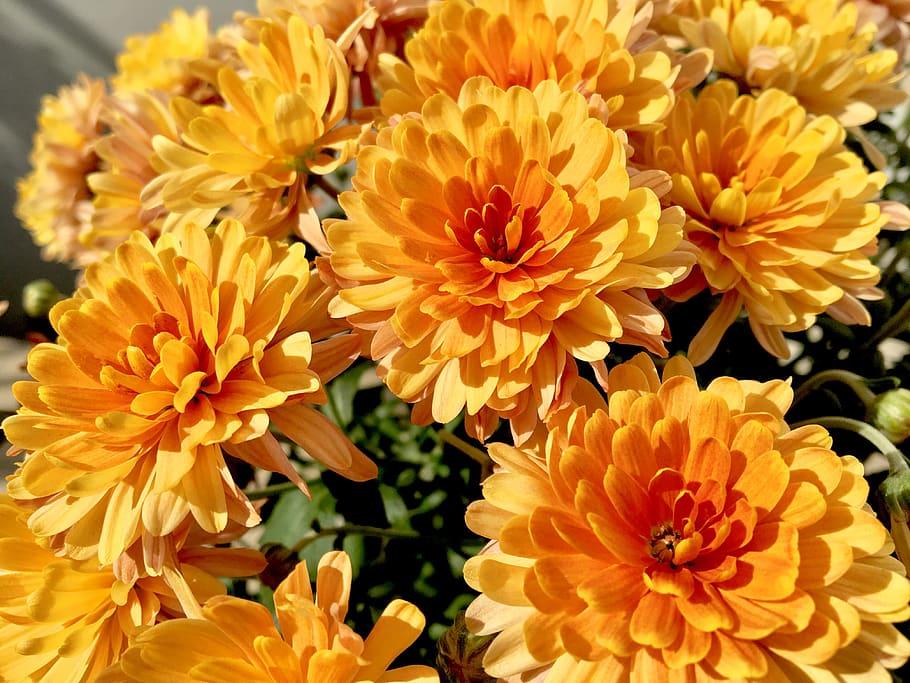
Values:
[(460, 654), (39, 296), (895, 491), (891, 414)]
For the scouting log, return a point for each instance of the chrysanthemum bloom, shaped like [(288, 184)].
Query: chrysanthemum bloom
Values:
[(491, 242), (783, 214), (68, 620), (54, 200), (685, 535), (814, 50), (161, 60), (892, 18), (128, 164), (598, 48), (236, 640), (383, 29), (283, 119), (168, 356)]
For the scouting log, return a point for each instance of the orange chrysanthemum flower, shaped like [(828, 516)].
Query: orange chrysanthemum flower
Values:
[(783, 214), (599, 48), (813, 49), (168, 356), (685, 535), (491, 242), (237, 640), (162, 60), (379, 26), (68, 620), (282, 120), (54, 200)]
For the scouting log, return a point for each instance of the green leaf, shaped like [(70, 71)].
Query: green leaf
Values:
[(395, 509), (290, 519), (342, 390)]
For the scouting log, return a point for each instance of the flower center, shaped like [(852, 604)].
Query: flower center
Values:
[(498, 226), (662, 543)]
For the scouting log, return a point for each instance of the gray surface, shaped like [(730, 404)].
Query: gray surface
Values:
[(45, 44)]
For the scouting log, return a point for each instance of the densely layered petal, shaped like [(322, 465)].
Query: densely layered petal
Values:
[(783, 214), (684, 534), (68, 620), (494, 241), (171, 357), (602, 49), (236, 639), (54, 200), (816, 50)]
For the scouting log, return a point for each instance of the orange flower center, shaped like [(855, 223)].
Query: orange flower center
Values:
[(662, 543), (496, 229)]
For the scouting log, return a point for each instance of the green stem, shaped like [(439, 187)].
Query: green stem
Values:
[(269, 491), (472, 452), (896, 324), (354, 529), (896, 460), (851, 379)]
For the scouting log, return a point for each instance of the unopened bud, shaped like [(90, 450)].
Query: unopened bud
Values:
[(895, 491), (460, 654), (891, 414), (39, 296)]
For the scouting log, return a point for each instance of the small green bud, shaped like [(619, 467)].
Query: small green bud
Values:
[(895, 491), (460, 654), (39, 296), (891, 414)]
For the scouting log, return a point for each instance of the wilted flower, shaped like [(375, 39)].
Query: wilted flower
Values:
[(283, 119), (68, 620), (813, 49), (168, 356), (237, 640), (783, 214), (162, 60), (685, 534), (599, 48), (493, 241), (54, 200)]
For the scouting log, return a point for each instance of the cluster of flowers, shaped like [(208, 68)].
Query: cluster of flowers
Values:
[(534, 178)]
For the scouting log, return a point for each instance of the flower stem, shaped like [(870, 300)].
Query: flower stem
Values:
[(855, 382), (272, 490), (354, 529), (896, 460), (472, 452), (896, 324)]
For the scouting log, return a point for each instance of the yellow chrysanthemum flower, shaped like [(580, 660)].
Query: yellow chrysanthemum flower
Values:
[(68, 620), (236, 640), (813, 49), (379, 26), (161, 60), (598, 48), (685, 534), (168, 356), (54, 200), (282, 120), (491, 242), (783, 214)]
